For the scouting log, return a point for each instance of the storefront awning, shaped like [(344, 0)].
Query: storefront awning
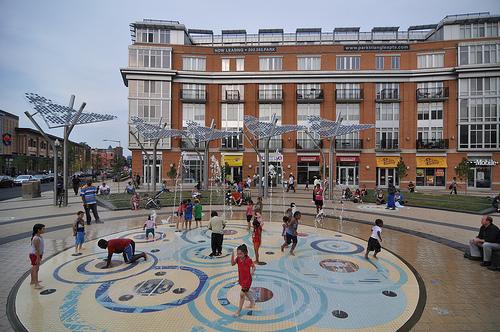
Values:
[(354, 159), (387, 162), (232, 160), (431, 162)]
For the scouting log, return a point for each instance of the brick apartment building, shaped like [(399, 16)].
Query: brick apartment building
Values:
[(103, 158), (432, 93), (25, 150)]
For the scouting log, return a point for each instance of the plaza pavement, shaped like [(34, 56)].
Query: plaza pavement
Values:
[(457, 299)]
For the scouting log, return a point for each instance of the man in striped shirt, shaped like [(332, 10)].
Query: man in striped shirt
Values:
[(88, 194)]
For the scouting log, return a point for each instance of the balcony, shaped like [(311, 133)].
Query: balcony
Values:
[(387, 96), (231, 96), (232, 143), (432, 144), (270, 96), (388, 145), (274, 144), (193, 96), (432, 94), (309, 96), (348, 95), (307, 144), (186, 144), (348, 144)]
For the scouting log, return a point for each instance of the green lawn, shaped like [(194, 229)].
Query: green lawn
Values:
[(461, 203), (122, 201)]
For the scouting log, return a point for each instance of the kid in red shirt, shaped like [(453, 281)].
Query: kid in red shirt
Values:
[(120, 246), (246, 269), (257, 234)]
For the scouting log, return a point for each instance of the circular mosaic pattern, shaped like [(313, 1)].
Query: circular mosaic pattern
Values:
[(230, 232), (140, 237), (338, 265), (102, 265), (339, 247)]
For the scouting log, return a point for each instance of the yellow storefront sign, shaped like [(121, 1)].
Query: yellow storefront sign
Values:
[(232, 160), (387, 162), (431, 162)]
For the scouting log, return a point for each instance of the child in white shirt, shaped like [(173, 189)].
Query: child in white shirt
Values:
[(150, 226), (375, 239)]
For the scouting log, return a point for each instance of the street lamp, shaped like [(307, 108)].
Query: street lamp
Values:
[(55, 145)]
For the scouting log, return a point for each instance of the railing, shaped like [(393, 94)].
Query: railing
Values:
[(432, 144), (232, 143), (274, 143), (308, 144), (309, 95), (193, 95), (186, 144), (231, 96), (388, 144), (348, 95), (270, 96), (388, 95), (432, 94), (348, 144)]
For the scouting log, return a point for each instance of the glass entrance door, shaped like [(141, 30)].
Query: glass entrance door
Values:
[(347, 175), (385, 175), (148, 171)]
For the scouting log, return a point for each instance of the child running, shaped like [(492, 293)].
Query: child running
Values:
[(150, 226), (375, 239), (291, 232), (257, 234), (36, 253), (249, 213), (286, 219), (246, 269), (188, 214), (79, 232), (198, 208)]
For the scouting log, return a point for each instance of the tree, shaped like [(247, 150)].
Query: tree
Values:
[(97, 162), (401, 170), (117, 164), (20, 163), (172, 174), (463, 170)]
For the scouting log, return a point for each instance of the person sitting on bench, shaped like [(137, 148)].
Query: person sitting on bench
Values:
[(411, 187), (380, 197), (488, 240)]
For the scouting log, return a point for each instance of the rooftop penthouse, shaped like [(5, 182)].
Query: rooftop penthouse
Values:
[(464, 26)]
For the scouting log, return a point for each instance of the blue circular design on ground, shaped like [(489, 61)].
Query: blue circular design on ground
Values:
[(197, 250), (140, 237), (56, 275), (339, 247), (102, 297), (276, 280)]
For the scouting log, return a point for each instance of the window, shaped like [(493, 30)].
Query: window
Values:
[(270, 63), (435, 60), (233, 92), (486, 86), (164, 36), (478, 30), (232, 116), (193, 91), (395, 63), (266, 112), (309, 63), (379, 62), (348, 62), (193, 63), (430, 111), (270, 91), (387, 91), (485, 53), (226, 64), (309, 91), (149, 58), (193, 112), (348, 112), (386, 138), (240, 64), (387, 111), (305, 110), (149, 109)]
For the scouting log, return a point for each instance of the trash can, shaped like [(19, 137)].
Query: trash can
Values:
[(31, 189)]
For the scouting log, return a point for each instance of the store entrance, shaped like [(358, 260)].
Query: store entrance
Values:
[(480, 177), (347, 175), (386, 175)]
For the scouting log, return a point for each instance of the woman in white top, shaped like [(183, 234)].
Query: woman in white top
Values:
[(36, 253)]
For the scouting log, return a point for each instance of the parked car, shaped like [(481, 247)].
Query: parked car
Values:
[(50, 176), (6, 181), (42, 178), (22, 179)]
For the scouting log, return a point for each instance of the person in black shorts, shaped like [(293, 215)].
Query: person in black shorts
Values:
[(375, 239), (291, 232)]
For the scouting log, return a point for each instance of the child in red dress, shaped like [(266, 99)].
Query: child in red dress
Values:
[(246, 269), (257, 234)]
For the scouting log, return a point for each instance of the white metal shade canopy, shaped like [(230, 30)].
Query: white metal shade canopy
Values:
[(260, 129), (328, 128), (207, 134), (152, 132), (57, 116)]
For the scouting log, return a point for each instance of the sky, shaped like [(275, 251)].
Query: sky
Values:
[(63, 47)]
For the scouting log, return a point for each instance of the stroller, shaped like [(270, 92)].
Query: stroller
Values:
[(154, 202)]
